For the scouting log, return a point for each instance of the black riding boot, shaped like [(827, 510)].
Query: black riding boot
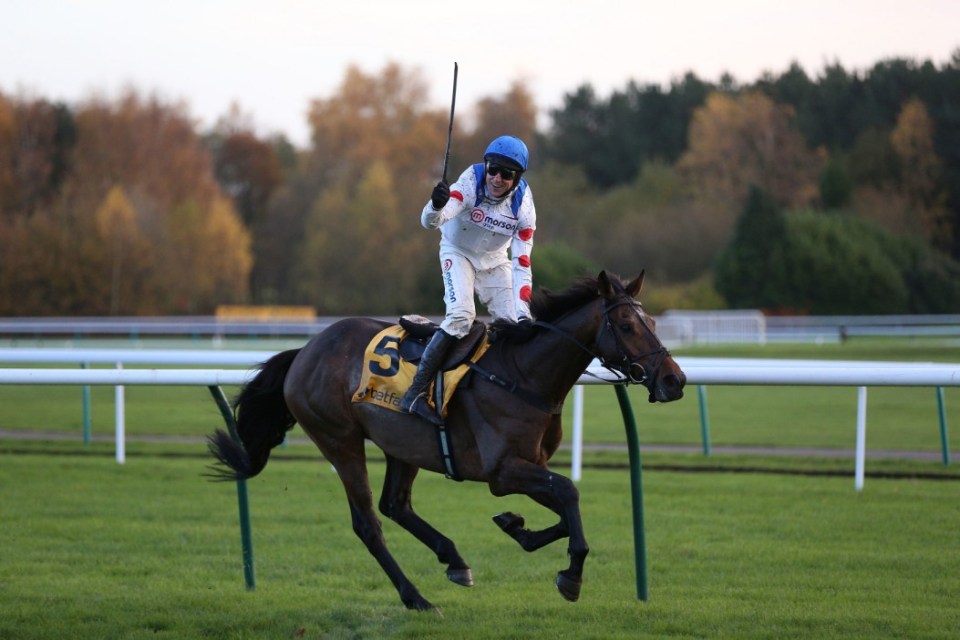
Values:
[(415, 399)]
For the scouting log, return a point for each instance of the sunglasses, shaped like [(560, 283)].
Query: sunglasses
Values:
[(498, 170)]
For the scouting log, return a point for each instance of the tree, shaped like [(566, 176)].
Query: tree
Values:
[(124, 248), (356, 257), (514, 114), (751, 271), (836, 186), (247, 167), (738, 141), (139, 225), (371, 121), (611, 140), (921, 173), (35, 138), (834, 265), (378, 119)]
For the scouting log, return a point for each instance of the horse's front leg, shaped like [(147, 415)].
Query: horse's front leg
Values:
[(396, 504), (558, 494)]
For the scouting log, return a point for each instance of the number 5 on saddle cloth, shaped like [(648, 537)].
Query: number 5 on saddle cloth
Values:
[(390, 362)]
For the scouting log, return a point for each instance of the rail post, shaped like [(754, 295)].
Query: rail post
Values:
[(246, 537), (636, 493)]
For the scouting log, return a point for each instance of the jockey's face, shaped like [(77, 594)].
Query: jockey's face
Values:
[(500, 179)]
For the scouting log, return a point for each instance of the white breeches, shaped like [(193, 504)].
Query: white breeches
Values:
[(494, 288)]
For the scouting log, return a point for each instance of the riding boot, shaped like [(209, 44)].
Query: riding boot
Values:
[(415, 399)]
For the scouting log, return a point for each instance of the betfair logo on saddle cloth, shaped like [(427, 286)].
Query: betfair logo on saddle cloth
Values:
[(386, 376)]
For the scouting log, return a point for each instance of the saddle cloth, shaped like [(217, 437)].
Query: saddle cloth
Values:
[(386, 376)]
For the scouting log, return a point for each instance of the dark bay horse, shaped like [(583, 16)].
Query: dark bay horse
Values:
[(502, 434)]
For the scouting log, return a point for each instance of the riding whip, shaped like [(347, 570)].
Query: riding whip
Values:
[(453, 104)]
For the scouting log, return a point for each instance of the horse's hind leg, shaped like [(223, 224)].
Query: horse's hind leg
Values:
[(512, 525), (353, 473), (396, 504), (558, 494)]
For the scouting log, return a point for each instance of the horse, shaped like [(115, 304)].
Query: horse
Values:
[(503, 426)]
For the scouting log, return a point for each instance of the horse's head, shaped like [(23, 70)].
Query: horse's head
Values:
[(627, 341)]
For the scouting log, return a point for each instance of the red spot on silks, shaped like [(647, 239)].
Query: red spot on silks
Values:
[(525, 292), (525, 234), (457, 195), (524, 261)]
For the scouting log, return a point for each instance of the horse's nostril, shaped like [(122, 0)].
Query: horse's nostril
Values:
[(673, 385)]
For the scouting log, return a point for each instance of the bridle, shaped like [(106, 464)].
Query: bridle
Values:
[(628, 368)]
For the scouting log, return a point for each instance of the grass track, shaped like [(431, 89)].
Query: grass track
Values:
[(93, 549)]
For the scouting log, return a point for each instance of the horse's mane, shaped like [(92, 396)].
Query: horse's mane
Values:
[(549, 305)]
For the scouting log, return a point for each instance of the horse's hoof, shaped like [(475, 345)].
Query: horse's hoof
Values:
[(462, 577), (422, 604), (569, 586), (508, 521)]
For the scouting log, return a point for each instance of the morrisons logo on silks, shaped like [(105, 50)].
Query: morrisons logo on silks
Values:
[(480, 217), (451, 291)]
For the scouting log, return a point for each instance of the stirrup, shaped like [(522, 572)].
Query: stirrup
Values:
[(409, 399), (424, 410)]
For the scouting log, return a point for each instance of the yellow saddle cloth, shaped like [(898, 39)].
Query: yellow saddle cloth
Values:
[(386, 376)]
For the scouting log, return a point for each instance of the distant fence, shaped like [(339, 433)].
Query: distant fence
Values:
[(675, 327), (712, 327)]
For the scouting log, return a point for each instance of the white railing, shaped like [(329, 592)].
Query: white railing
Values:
[(699, 371)]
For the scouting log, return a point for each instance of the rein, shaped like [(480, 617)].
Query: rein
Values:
[(626, 374)]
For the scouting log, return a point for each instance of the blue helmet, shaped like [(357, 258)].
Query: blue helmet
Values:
[(509, 150)]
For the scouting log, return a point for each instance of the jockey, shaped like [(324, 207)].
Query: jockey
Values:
[(486, 211)]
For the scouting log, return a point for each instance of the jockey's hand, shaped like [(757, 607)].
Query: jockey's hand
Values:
[(440, 195), (525, 328)]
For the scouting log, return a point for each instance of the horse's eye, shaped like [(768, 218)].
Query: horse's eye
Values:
[(626, 328)]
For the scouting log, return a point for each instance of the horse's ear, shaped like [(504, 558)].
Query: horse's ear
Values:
[(634, 287), (603, 285)]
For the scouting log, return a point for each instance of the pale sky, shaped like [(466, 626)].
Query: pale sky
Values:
[(273, 56)]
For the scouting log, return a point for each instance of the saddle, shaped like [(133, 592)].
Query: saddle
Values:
[(420, 330)]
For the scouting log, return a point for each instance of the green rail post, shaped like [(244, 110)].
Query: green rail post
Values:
[(85, 394), (636, 492), (246, 538), (944, 442), (704, 419)]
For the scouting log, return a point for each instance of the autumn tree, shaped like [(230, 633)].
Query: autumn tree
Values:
[(921, 173), (379, 118), (358, 249), (139, 225), (35, 138), (125, 249), (373, 120), (247, 167), (743, 140)]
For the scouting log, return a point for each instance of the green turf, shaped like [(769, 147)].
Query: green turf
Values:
[(93, 549)]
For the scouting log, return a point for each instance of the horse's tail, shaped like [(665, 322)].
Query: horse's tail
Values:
[(263, 420)]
